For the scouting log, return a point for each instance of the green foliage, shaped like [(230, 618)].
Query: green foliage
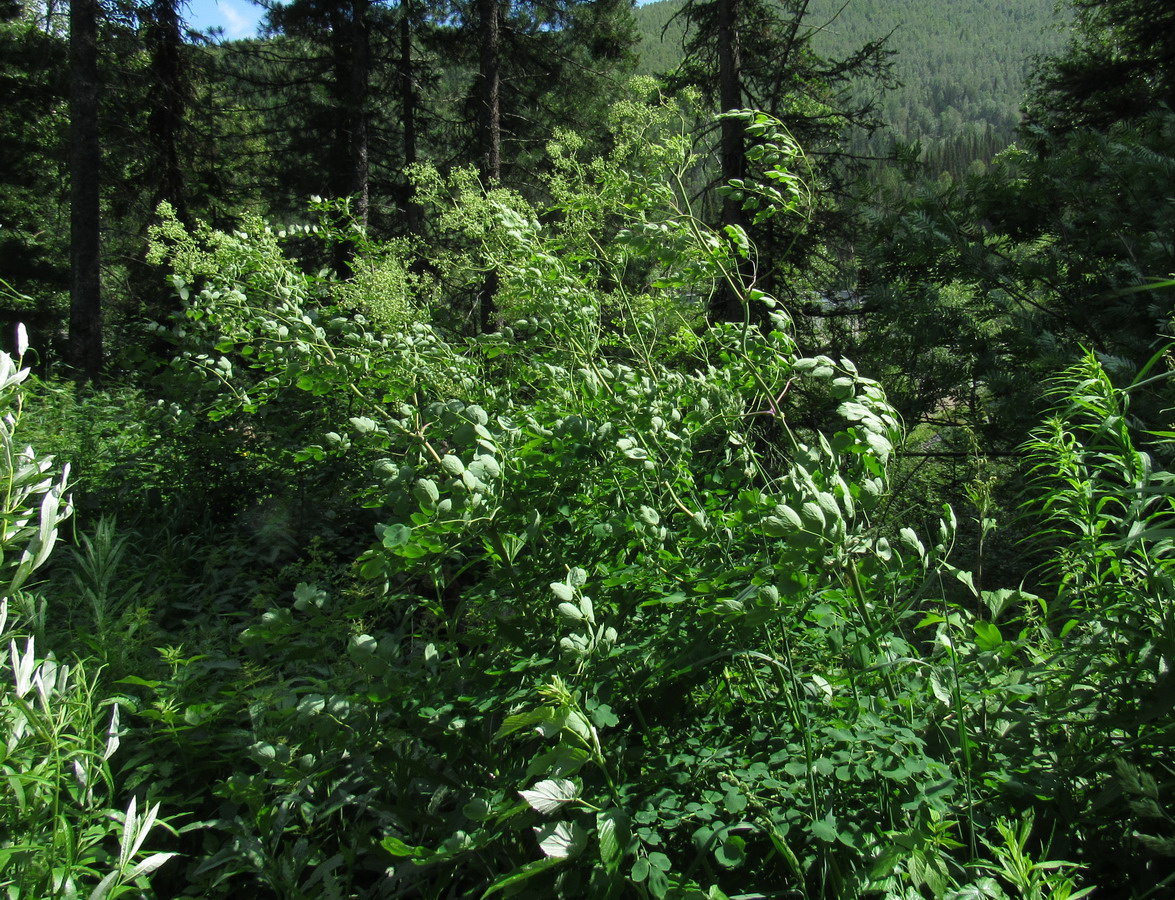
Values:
[(610, 600), (627, 625), (984, 287), (61, 832), (1119, 65), (33, 245), (1030, 879), (1106, 512)]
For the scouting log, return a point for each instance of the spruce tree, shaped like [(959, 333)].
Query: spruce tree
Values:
[(1120, 65)]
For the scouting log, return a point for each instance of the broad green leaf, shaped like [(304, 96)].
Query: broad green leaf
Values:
[(731, 852), (571, 611), (790, 516), (853, 411), (561, 840), (539, 717), (427, 492), (734, 801), (940, 688), (575, 722), (396, 535), (825, 829), (980, 889), (813, 515), (547, 796), (307, 595), (964, 577), (477, 809), (396, 847), (560, 760), (613, 831), (987, 636), (658, 883), (773, 526), (910, 538), (998, 602), (640, 870)]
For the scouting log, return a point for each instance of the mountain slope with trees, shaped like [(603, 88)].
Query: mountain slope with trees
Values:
[(962, 66)]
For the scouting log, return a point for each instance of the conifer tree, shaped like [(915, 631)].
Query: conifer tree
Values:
[(1120, 64), (759, 54)]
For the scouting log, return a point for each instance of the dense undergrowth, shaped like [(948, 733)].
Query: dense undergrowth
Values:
[(608, 602)]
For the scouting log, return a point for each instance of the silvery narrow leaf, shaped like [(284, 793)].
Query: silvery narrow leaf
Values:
[(50, 679), (112, 736), (144, 827), (102, 891), (22, 666), (561, 840), (547, 796), (130, 825), (150, 864)]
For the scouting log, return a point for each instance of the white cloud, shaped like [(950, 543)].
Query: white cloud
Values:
[(238, 24)]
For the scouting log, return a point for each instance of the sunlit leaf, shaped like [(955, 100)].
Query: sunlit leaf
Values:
[(547, 796), (561, 840)]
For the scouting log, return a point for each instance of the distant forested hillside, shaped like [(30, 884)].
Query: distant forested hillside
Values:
[(962, 63)]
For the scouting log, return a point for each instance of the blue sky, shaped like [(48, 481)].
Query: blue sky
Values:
[(238, 18)]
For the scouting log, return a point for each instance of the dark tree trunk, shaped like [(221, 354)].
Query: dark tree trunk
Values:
[(340, 84), (358, 112), (85, 309), (351, 65), (489, 129), (728, 301), (489, 25), (408, 106), (169, 98)]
